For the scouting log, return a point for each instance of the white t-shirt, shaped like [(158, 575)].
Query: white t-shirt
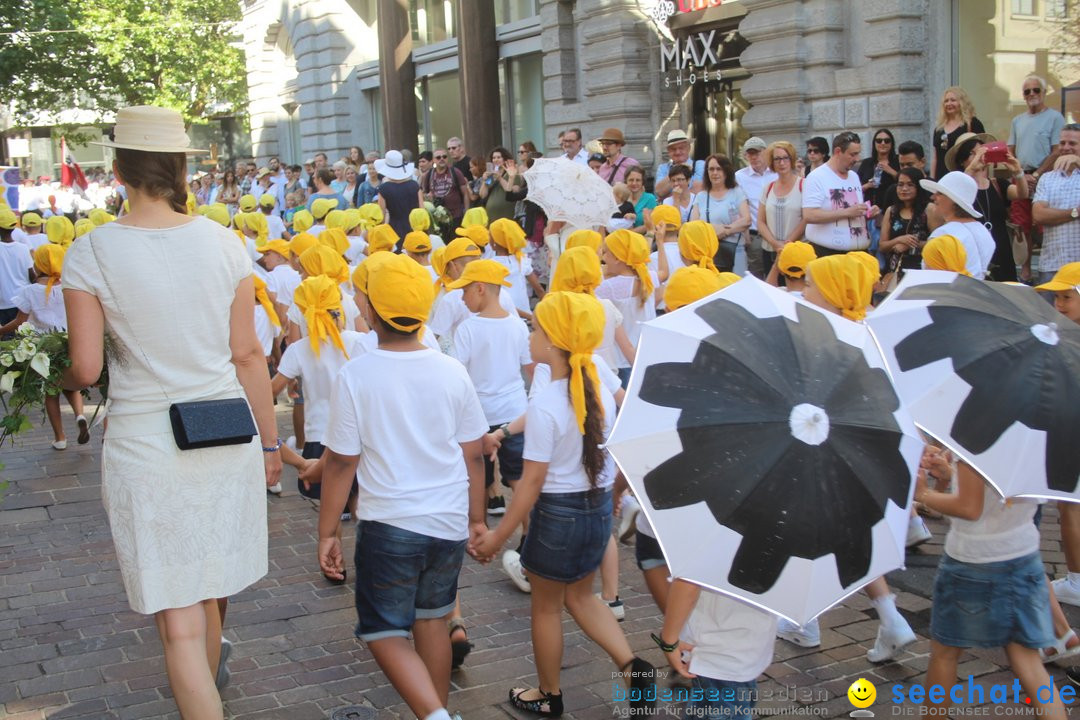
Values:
[(674, 262), (977, 242), (265, 330), (620, 291), (274, 226), (370, 341), (451, 311), (519, 289), (357, 248), (31, 241), (612, 320), (299, 362), (732, 640), (1004, 531), (283, 283), (347, 305), (44, 314), (15, 264), (826, 190), (551, 436), (494, 350), (405, 414), (608, 378)]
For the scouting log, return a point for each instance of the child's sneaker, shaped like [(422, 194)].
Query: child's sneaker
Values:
[(629, 512), (1066, 592), (274, 489), (511, 562), (496, 505), (616, 606), (808, 636), (889, 642)]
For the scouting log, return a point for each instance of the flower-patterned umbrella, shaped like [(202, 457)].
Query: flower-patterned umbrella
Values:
[(768, 449), (993, 372)]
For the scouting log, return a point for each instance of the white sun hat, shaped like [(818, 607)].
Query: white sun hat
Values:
[(150, 129), (959, 187)]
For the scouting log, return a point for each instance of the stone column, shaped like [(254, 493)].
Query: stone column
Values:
[(397, 76), (481, 117)]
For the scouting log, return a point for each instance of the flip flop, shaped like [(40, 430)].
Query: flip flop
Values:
[(84, 430), (1060, 650), (459, 648)]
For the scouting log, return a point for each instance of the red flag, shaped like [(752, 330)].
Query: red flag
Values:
[(70, 172)]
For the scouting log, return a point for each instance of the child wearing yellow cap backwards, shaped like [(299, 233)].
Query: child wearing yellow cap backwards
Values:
[(267, 206), (32, 233), (282, 279), (42, 305), (566, 491), (421, 494), (791, 264), (451, 310)]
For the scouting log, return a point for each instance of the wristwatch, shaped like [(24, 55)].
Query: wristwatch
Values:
[(1075, 213), (505, 427)]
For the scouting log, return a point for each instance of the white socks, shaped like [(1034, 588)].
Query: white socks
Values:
[(439, 715)]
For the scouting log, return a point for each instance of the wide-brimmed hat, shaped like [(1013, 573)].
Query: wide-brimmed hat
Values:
[(677, 136), (150, 129), (614, 135), (959, 187), (950, 156), (393, 166)]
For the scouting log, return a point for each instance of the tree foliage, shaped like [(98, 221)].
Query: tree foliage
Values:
[(105, 54)]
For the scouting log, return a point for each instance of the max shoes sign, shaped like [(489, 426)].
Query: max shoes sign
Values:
[(696, 53)]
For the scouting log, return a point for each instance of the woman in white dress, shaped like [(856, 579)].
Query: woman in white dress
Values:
[(189, 526)]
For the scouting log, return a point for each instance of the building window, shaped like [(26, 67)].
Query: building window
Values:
[(524, 108), (1023, 7), (374, 104), (432, 21), (438, 109), (1056, 9), (509, 11)]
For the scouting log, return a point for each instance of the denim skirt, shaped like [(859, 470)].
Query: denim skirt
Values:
[(989, 605), (568, 533)]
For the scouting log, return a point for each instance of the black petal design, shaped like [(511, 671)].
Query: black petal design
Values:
[(986, 330), (784, 497)]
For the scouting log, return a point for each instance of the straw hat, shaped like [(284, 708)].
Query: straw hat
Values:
[(393, 166), (150, 129), (959, 187), (950, 157)]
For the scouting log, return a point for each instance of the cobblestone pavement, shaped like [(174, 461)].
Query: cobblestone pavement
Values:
[(71, 648)]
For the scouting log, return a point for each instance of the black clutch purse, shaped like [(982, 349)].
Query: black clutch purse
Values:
[(210, 423)]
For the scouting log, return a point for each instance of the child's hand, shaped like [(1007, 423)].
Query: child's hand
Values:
[(311, 473), (491, 443), (331, 560), (678, 663), (485, 546)]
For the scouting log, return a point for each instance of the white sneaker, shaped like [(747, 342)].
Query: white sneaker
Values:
[(1066, 591), (511, 562), (917, 532), (889, 642), (627, 523), (808, 636), (616, 606), (59, 445), (274, 489)]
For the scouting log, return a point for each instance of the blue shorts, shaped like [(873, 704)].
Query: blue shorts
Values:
[(647, 552), (402, 577), (568, 533), (711, 698), (315, 450), (510, 462), (990, 605)]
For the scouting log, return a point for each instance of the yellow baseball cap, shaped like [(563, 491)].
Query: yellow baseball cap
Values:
[(794, 257), (460, 247), (417, 242), (335, 218), (690, 284), (32, 219), (584, 238), (267, 200), (401, 293), (363, 271), (281, 247), (1066, 278), (667, 214), (483, 271), (217, 212), (8, 221), (247, 203), (380, 238), (477, 233), (321, 206), (301, 241), (302, 221)]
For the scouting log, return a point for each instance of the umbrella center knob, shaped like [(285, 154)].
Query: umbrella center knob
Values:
[(1046, 333), (809, 424)]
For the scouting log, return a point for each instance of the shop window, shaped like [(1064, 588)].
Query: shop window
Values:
[(438, 110), (510, 11), (432, 21), (1023, 7)]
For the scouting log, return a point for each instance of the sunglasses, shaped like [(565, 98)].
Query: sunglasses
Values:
[(883, 141), (1032, 91), (440, 157)]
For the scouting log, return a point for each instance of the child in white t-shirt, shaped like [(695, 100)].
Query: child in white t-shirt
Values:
[(417, 245), (421, 494), (791, 263), (450, 310), (509, 241), (282, 279), (274, 224)]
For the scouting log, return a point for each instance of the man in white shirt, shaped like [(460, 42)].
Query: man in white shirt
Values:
[(753, 179), (954, 198), (571, 146), (833, 205)]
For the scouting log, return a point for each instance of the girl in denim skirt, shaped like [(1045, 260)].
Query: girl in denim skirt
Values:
[(565, 489), (990, 589)]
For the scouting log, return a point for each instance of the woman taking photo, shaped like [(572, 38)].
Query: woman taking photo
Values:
[(904, 228), (499, 179), (230, 192), (779, 218), (956, 117), (643, 201), (723, 205), (189, 525)]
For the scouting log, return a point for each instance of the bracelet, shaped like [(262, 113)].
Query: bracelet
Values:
[(274, 448), (663, 645)]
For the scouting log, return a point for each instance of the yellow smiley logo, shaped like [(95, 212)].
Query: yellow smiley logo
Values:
[(862, 693)]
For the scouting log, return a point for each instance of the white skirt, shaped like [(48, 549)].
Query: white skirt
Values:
[(188, 525)]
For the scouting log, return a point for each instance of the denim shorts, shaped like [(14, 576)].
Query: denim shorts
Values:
[(711, 698), (568, 533), (315, 450), (990, 605), (402, 577), (510, 462), (647, 552)]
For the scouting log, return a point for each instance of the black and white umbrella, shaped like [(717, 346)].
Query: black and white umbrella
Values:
[(768, 449), (993, 372)]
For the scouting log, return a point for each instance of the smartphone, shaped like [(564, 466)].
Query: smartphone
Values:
[(996, 152), (492, 167)]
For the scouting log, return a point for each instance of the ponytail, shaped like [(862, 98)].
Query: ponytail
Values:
[(592, 454), (158, 174)]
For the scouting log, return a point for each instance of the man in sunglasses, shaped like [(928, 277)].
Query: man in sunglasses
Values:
[(444, 185), (1035, 134)]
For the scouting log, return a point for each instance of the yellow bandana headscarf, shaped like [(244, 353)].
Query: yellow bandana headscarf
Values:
[(263, 298), (698, 243), (352, 219), (302, 221), (49, 260), (256, 222), (322, 260), (474, 216), (847, 283), (438, 261), (667, 214), (370, 215), (584, 238), (301, 242), (334, 237), (83, 226), (217, 212), (945, 252), (578, 271), (399, 290), (316, 297), (794, 257), (689, 284), (335, 219), (632, 249), (99, 217), (574, 322), (191, 204), (381, 238), (477, 233), (508, 234), (419, 220), (59, 230)]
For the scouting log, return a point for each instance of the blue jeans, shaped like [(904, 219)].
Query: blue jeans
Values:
[(402, 577), (721, 699), (568, 533)]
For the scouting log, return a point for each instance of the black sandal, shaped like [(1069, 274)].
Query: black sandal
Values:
[(642, 679), (460, 649), (547, 705)]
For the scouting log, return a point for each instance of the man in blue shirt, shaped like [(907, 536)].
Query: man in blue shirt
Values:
[(678, 150)]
